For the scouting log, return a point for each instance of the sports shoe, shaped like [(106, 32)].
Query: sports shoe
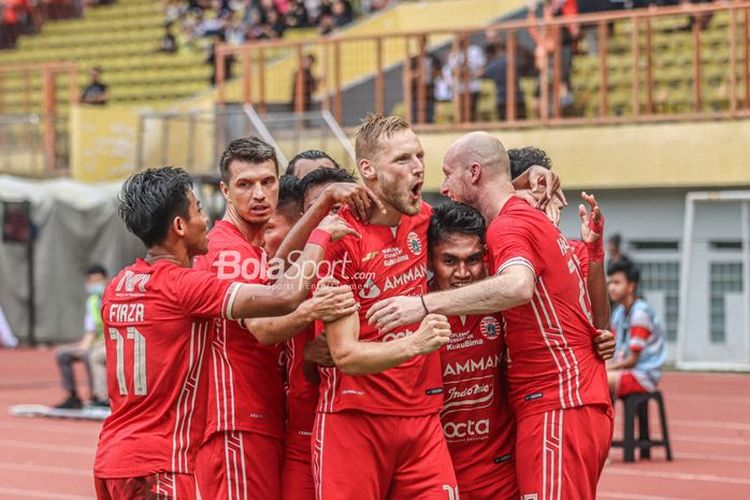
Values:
[(98, 403), (72, 403)]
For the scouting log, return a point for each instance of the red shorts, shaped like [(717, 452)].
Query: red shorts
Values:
[(561, 453), (161, 485), (502, 487), (239, 464), (297, 479), (368, 457), (628, 382)]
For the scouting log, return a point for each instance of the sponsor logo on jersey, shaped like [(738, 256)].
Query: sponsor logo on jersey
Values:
[(352, 392), (471, 365), (131, 280), (434, 391), (415, 246), (532, 397), (470, 428), (396, 335), (469, 396), (490, 327), (392, 256), (370, 256), (504, 458), (413, 274), (369, 290)]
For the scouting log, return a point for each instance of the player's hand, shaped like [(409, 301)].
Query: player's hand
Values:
[(359, 198), (391, 313), (592, 223), (605, 344), (433, 333), (544, 185), (316, 351), (332, 301), (337, 227)]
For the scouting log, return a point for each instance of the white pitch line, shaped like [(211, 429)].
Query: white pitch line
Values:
[(739, 426), (709, 478), (633, 496), (42, 494), (711, 440), (711, 457)]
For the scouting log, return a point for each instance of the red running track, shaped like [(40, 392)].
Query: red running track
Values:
[(709, 422)]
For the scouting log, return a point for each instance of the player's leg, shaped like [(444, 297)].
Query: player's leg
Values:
[(297, 478), (424, 468), (561, 453), (353, 455), (234, 464), (613, 380), (156, 486), (97, 361)]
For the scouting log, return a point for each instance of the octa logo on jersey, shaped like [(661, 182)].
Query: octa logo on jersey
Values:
[(454, 430)]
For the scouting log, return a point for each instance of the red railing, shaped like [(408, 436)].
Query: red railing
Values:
[(264, 63)]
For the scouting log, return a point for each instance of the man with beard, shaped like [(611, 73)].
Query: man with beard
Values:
[(557, 384)]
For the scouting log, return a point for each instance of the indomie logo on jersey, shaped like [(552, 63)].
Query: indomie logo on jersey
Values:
[(130, 280), (414, 244), (413, 274), (490, 327), (471, 365)]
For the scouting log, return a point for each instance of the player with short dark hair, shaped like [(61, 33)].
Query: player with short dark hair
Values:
[(521, 159), (154, 314), (307, 161), (313, 184), (287, 213), (641, 339), (476, 417), (244, 440), (557, 383)]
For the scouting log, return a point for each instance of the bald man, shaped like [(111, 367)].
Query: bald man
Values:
[(557, 383)]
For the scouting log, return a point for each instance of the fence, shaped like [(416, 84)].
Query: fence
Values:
[(646, 65)]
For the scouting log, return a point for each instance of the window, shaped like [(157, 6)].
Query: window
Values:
[(725, 277), (664, 277)]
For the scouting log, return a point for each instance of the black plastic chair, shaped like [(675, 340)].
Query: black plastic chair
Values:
[(637, 406)]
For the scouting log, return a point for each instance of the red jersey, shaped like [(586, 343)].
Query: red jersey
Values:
[(237, 401), (155, 333), (582, 254), (385, 262), (551, 360), (301, 397), (477, 419)]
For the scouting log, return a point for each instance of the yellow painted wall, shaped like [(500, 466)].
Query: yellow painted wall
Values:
[(628, 156)]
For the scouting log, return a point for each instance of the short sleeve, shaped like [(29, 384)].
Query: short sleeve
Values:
[(202, 294), (511, 244), (638, 337), (343, 260), (640, 317)]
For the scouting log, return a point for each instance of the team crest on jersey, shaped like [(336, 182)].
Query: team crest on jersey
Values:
[(490, 327), (415, 246), (369, 290)]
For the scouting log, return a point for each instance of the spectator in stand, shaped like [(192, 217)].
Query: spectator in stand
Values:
[(168, 42), (95, 92), (326, 25), (276, 24), (309, 84), (497, 71), (641, 340), (297, 17), (89, 350), (342, 13), (430, 65), (211, 59)]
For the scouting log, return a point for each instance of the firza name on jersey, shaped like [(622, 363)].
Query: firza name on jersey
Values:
[(127, 313)]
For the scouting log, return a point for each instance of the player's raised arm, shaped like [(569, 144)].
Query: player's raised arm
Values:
[(513, 287), (592, 229), (292, 288), (361, 358), (358, 197)]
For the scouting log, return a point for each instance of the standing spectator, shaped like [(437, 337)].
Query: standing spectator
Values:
[(325, 24), (89, 350), (297, 17), (276, 24), (342, 13), (211, 59), (95, 92), (641, 342), (168, 42), (309, 84), (7, 339), (616, 257), (470, 58), (497, 71), (430, 64)]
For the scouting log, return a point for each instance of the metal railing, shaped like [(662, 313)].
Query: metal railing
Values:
[(382, 73), (40, 90)]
